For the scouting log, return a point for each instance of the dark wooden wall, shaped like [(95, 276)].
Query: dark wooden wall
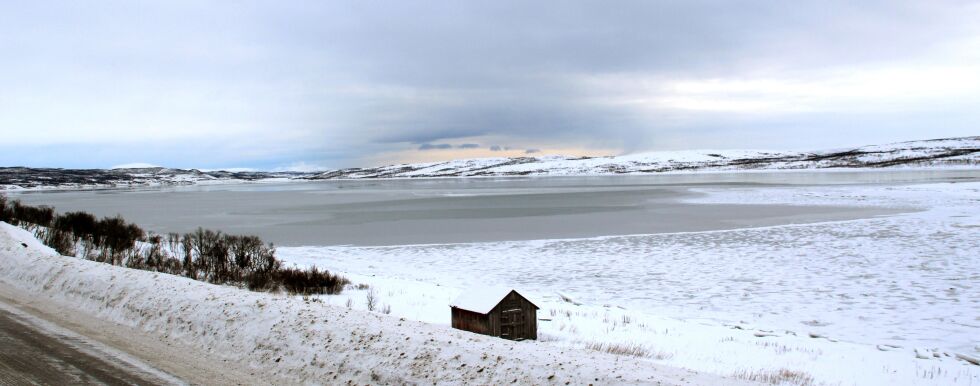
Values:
[(471, 321)]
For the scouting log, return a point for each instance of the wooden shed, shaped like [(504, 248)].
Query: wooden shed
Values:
[(501, 312)]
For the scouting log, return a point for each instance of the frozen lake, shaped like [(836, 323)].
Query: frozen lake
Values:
[(424, 211)]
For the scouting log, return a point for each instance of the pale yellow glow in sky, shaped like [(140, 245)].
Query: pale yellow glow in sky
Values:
[(416, 156)]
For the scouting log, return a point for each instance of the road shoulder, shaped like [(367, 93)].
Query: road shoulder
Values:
[(136, 351)]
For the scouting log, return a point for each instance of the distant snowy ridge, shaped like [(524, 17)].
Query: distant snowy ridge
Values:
[(22, 178), (937, 153), (952, 152)]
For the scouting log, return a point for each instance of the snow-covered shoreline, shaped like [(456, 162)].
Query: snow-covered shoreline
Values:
[(304, 339), (281, 180), (885, 300)]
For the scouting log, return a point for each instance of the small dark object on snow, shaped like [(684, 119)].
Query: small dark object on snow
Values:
[(24, 245), (500, 312)]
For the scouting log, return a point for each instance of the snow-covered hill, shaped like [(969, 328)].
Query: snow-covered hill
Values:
[(21, 178), (952, 152), (938, 153)]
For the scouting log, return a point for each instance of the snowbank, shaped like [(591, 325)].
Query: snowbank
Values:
[(305, 340)]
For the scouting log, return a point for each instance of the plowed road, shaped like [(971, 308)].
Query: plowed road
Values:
[(32, 355)]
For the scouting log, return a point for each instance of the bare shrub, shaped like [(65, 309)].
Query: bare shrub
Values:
[(246, 252), (153, 255), (33, 216), (386, 309), (212, 254), (201, 255), (114, 237), (310, 281), (186, 246), (170, 265), (60, 241), (174, 246), (372, 300), (3, 209), (80, 224), (259, 281)]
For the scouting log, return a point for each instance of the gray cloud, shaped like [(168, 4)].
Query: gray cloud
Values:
[(436, 146), (468, 146), (339, 82), (532, 151), (478, 72), (495, 148)]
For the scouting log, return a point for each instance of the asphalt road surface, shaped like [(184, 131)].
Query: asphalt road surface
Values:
[(34, 356)]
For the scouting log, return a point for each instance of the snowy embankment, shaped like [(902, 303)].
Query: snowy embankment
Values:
[(889, 300), (305, 340)]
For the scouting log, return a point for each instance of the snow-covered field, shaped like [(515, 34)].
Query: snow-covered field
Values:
[(888, 300), (282, 339)]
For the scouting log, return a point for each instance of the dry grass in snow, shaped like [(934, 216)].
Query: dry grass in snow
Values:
[(777, 377)]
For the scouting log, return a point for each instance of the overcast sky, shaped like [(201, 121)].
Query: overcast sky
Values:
[(283, 84)]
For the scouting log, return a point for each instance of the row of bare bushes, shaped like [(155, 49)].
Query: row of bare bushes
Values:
[(203, 254)]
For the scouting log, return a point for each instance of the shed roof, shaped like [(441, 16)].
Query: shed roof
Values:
[(483, 299)]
